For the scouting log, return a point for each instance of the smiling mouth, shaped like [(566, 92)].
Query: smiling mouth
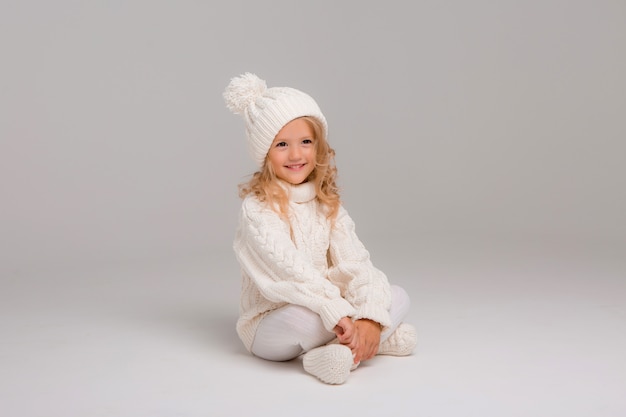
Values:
[(298, 166)]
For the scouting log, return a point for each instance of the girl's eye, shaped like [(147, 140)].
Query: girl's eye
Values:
[(307, 141), (281, 144)]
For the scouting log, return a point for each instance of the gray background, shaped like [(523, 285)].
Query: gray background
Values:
[(447, 117), (481, 151)]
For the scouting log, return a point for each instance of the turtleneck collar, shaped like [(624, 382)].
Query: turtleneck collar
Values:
[(301, 193)]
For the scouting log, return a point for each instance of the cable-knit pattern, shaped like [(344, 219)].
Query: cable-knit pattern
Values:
[(363, 285), (278, 270)]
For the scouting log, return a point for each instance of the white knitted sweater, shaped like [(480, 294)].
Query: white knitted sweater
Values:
[(326, 269)]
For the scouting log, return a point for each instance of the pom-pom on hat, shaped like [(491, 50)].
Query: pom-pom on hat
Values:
[(267, 110)]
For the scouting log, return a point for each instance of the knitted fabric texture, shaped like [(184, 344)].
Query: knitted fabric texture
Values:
[(330, 363), (267, 110), (325, 269), (401, 342)]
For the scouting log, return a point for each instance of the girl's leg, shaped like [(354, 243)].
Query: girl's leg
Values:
[(400, 304), (289, 331), (400, 338)]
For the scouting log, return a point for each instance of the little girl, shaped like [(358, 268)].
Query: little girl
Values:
[(308, 284)]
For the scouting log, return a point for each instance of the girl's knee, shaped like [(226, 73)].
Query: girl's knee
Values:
[(399, 295), (400, 303)]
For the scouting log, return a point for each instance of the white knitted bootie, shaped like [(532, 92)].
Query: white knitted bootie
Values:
[(330, 363), (335, 341), (401, 342)]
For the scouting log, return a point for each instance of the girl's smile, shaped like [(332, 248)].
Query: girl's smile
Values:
[(295, 167)]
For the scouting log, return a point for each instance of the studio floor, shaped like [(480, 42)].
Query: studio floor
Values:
[(506, 327)]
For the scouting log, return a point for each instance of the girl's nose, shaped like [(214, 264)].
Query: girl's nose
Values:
[(294, 152)]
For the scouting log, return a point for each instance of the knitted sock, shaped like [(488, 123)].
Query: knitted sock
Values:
[(401, 342), (330, 363), (335, 341)]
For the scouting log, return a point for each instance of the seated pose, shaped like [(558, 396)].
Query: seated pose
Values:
[(308, 285)]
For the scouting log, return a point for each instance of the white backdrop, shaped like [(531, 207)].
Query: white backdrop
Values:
[(487, 118)]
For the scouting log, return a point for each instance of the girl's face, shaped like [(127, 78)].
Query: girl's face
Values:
[(292, 154)]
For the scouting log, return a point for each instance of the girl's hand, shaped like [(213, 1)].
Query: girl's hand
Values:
[(346, 332), (368, 334)]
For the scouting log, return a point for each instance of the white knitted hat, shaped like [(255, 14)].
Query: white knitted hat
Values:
[(267, 110)]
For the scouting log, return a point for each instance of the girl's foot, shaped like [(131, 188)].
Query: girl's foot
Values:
[(330, 363), (401, 342)]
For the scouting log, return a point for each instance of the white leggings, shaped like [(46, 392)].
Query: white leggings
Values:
[(289, 331)]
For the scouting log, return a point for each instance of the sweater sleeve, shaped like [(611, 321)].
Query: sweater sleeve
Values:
[(268, 256), (365, 286)]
